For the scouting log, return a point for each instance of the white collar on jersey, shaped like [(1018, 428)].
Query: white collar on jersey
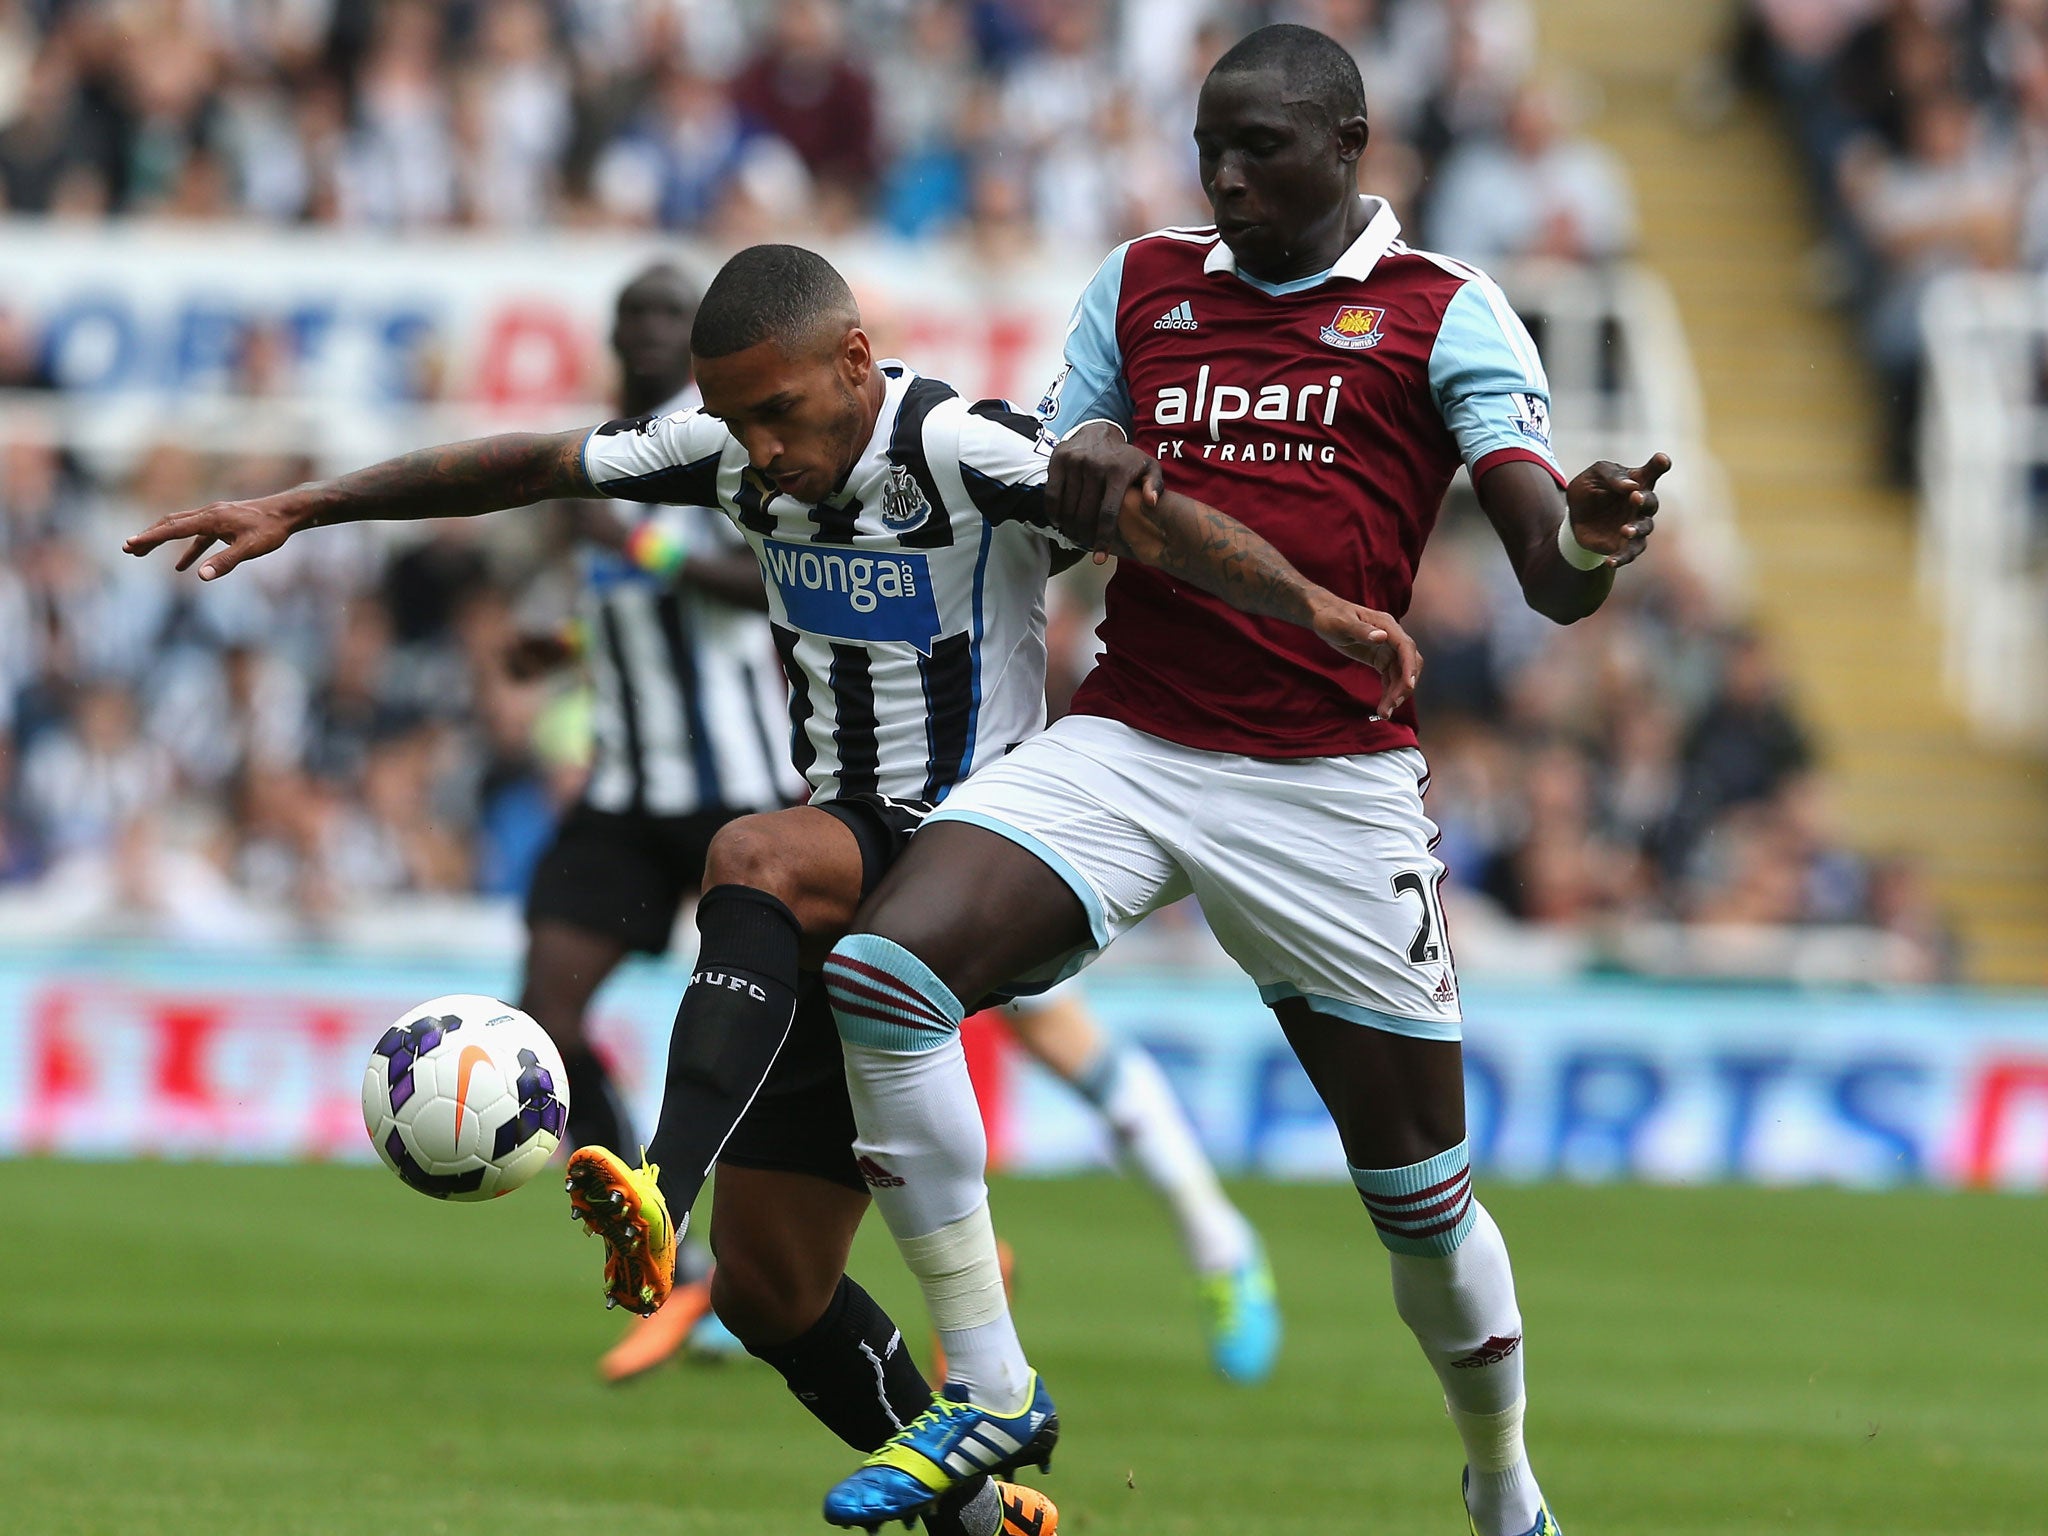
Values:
[(1382, 229)]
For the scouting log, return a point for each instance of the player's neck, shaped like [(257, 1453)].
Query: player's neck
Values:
[(1321, 244)]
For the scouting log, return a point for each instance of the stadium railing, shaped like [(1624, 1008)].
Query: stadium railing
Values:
[(1983, 541)]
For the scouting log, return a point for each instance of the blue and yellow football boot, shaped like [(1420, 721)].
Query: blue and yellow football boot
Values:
[(1546, 1523), (941, 1448), (1242, 1315), (624, 1206)]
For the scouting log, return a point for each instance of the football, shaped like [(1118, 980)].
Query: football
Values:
[(465, 1098)]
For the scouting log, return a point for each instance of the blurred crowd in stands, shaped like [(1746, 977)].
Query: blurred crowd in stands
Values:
[(733, 117), (1924, 128), (342, 724)]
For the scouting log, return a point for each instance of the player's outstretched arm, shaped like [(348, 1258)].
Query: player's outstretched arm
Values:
[(1213, 551), (1566, 545), (485, 474)]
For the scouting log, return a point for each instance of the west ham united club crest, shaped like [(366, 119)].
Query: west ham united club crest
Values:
[(1355, 328), (903, 504)]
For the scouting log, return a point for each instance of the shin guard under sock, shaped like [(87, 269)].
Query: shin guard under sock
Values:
[(728, 1031)]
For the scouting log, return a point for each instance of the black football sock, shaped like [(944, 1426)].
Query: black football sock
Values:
[(853, 1371), (728, 1031), (597, 1117)]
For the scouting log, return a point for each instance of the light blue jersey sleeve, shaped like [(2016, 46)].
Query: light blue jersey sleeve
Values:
[(1091, 385), (1488, 382)]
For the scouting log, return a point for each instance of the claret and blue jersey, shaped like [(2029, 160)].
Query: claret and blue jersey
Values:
[(1329, 414), (909, 606)]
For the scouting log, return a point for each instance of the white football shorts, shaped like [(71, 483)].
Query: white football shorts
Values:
[(1316, 874)]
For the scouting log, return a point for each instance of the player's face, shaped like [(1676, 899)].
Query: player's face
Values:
[(800, 418), (651, 332), (1278, 174)]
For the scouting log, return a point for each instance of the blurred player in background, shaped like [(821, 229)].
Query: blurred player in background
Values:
[(1125, 1086), (1299, 362), (687, 700)]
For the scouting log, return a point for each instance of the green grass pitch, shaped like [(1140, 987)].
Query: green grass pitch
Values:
[(238, 1351)]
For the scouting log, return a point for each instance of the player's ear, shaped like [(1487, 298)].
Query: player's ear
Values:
[(856, 357), (1352, 136)]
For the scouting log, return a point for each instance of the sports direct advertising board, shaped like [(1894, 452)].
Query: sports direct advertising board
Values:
[(371, 323), (124, 1053)]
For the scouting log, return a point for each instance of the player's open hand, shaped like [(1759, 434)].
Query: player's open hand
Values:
[(1613, 509), (1367, 635), (243, 529), (1085, 484)]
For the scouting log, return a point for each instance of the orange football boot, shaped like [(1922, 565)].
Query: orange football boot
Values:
[(1026, 1511), (624, 1206)]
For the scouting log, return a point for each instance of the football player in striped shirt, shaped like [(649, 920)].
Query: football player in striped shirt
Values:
[(906, 539), (1299, 363), (684, 683)]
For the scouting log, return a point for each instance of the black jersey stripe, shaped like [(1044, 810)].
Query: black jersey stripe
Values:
[(629, 708), (835, 525), (676, 634), (752, 500), (906, 448), (855, 728), (1001, 503), (1003, 414), (948, 678), (681, 485), (803, 753)]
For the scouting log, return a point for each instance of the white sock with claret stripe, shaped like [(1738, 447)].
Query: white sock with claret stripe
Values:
[(922, 1148), (1455, 1289)]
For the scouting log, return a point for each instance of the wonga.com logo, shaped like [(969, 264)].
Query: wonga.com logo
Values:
[(848, 594)]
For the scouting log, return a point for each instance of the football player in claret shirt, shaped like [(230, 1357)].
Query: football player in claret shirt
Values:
[(1300, 366)]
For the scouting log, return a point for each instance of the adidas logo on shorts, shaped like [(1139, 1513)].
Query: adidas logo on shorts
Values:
[(1179, 318)]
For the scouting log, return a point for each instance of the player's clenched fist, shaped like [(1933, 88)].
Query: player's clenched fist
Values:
[(1375, 638), (246, 529), (1092, 474)]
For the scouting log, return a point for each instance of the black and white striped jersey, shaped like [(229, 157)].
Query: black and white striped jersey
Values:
[(686, 693), (909, 606)]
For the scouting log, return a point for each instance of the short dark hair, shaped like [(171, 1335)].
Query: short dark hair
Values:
[(780, 293), (1311, 62)]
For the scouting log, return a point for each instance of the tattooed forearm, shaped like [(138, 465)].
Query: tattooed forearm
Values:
[(1212, 551), (485, 474)]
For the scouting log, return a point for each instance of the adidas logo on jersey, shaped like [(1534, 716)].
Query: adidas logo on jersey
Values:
[(1179, 318)]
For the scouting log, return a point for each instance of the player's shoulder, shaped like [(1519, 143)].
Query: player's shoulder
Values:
[(1176, 247), (1432, 273)]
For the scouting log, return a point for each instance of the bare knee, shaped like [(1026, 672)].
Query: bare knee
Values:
[(751, 852), (764, 1301)]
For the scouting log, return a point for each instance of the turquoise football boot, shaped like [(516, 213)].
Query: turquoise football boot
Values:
[(1242, 1316)]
